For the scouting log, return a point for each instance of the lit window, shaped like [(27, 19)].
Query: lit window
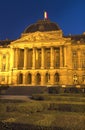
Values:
[(83, 78), (75, 78), (3, 67), (3, 78), (4, 56), (75, 59), (83, 60)]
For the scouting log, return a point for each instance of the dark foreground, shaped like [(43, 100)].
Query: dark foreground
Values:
[(18, 126), (43, 112)]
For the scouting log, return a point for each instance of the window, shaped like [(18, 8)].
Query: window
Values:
[(4, 56), (56, 78), (3, 78), (47, 58), (38, 58), (83, 78), (83, 60), (3, 67), (57, 57), (75, 59)]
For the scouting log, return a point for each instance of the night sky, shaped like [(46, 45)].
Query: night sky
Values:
[(16, 15)]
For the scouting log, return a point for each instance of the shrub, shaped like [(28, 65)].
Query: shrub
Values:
[(55, 90), (3, 89), (37, 97), (72, 90)]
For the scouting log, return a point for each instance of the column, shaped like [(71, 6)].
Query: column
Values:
[(25, 57), (52, 58), (34, 56), (42, 58), (61, 56), (65, 57)]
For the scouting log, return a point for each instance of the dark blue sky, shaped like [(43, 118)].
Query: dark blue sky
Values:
[(16, 15)]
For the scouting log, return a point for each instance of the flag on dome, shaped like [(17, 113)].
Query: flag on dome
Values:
[(45, 15)]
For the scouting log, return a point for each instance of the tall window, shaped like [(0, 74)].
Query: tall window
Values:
[(75, 59), (29, 79), (3, 78), (47, 58), (83, 79), (38, 58), (30, 57), (3, 67), (21, 59), (38, 79), (83, 60), (4, 56), (3, 62), (57, 57), (21, 78)]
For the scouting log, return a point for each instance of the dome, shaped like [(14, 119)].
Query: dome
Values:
[(42, 26)]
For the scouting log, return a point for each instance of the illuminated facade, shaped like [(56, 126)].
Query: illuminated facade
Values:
[(43, 56)]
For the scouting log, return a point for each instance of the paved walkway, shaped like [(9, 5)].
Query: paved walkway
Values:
[(16, 97)]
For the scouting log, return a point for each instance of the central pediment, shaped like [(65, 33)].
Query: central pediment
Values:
[(40, 36)]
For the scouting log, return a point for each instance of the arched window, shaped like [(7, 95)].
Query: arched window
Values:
[(56, 78), (29, 78), (38, 78), (21, 78), (47, 78)]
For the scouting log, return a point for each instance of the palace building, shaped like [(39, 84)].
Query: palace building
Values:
[(43, 56)]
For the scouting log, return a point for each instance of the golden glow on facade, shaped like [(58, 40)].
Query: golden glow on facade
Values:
[(43, 58)]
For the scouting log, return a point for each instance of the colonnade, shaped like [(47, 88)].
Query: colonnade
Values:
[(43, 60)]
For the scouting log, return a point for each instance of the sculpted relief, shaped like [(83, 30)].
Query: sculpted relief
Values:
[(39, 36)]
